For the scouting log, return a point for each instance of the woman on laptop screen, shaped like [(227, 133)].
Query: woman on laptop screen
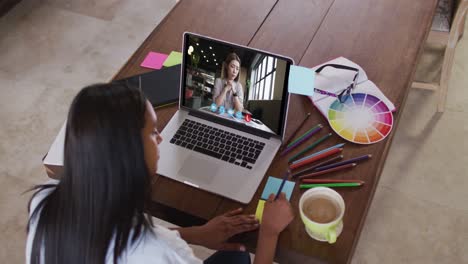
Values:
[(228, 91), (96, 212)]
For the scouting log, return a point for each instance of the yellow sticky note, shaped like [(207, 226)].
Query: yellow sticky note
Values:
[(259, 212)]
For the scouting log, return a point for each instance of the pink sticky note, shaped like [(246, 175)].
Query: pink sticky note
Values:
[(154, 60)]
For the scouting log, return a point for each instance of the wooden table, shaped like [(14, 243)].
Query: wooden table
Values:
[(385, 37)]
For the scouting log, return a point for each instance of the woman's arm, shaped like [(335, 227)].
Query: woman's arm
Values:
[(239, 99), (276, 217), (190, 234), (266, 247), (220, 92), (215, 233)]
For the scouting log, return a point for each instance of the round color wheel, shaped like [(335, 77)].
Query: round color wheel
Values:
[(362, 118)]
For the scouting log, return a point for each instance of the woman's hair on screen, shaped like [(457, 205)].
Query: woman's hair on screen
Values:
[(230, 57)]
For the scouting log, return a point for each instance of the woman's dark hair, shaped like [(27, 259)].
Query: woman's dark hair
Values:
[(230, 57), (101, 195)]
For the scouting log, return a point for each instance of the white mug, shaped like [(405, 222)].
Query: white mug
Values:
[(323, 231)]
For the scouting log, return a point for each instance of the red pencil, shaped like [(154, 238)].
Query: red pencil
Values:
[(327, 171), (330, 181), (315, 158)]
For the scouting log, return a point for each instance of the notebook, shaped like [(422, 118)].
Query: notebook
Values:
[(161, 87)]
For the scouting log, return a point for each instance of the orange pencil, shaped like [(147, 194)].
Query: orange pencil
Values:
[(315, 158), (351, 165)]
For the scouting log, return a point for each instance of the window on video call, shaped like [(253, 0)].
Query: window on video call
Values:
[(235, 83)]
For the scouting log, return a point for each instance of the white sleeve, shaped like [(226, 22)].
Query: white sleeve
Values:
[(33, 222), (41, 195), (240, 93), (164, 246), (218, 87)]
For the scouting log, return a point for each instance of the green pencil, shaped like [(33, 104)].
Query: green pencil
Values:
[(320, 140), (342, 184), (301, 137)]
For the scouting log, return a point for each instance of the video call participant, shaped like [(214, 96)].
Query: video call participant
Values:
[(228, 92)]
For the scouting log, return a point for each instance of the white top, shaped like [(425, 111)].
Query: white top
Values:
[(228, 101), (165, 246)]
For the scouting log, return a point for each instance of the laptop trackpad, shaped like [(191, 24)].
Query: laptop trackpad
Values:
[(198, 170)]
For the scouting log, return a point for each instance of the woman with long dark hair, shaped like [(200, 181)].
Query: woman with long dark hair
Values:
[(95, 213)]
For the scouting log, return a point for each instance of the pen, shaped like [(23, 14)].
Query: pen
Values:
[(285, 177)]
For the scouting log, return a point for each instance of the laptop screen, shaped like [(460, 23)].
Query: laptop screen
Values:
[(242, 85)]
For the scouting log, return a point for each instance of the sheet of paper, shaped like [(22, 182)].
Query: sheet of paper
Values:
[(154, 60), (335, 80), (272, 186), (55, 154), (174, 58), (259, 211), (344, 75), (301, 80)]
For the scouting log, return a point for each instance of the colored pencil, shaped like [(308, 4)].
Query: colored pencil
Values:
[(310, 175), (297, 130), (303, 135), (315, 158), (326, 162), (329, 181), (313, 145), (319, 152), (344, 162), (342, 184), (308, 135), (286, 176)]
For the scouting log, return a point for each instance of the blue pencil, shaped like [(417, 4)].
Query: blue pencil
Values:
[(318, 153), (286, 176)]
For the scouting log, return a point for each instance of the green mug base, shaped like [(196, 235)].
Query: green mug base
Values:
[(322, 238)]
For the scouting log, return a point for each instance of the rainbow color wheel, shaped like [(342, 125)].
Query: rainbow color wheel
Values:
[(362, 118)]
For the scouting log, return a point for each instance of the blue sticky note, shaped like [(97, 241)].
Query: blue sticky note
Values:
[(273, 185), (301, 80)]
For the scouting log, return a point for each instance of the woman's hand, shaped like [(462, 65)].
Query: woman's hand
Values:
[(228, 86), (219, 229), (277, 215)]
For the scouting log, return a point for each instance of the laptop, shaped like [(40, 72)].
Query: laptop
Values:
[(231, 118)]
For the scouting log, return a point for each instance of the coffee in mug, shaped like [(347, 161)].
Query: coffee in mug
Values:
[(322, 210)]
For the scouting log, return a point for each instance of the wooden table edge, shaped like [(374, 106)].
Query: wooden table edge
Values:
[(390, 139)]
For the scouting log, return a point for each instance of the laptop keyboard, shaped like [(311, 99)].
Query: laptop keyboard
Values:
[(218, 143)]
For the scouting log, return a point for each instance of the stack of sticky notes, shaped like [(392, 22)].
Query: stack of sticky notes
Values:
[(272, 186), (155, 60)]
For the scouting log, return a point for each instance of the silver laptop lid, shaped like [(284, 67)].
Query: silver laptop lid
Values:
[(238, 86)]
